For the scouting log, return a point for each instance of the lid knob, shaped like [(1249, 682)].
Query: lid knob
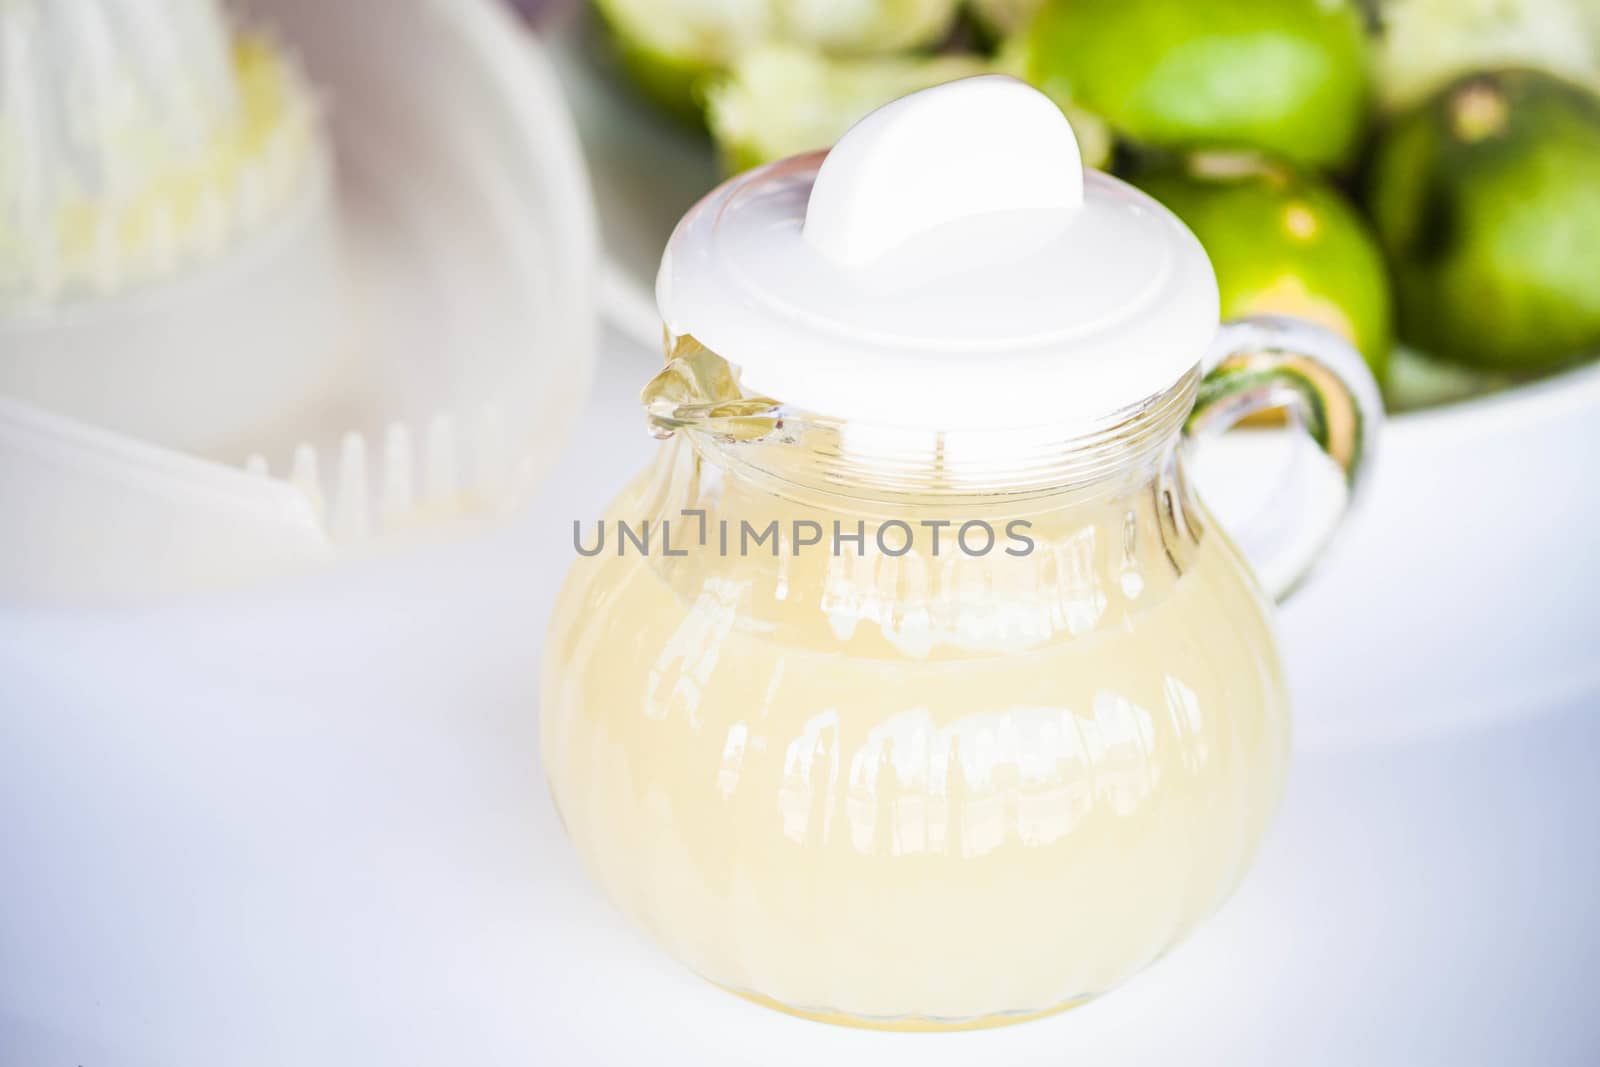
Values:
[(966, 148)]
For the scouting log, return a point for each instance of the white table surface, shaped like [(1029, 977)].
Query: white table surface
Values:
[(308, 826)]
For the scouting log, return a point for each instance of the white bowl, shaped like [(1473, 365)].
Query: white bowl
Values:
[(1468, 588)]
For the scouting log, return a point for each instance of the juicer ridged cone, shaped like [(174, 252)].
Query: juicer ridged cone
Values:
[(168, 232), (136, 136)]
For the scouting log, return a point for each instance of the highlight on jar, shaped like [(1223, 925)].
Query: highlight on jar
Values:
[(854, 774)]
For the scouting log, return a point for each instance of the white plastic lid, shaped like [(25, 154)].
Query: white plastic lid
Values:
[(949, 264)]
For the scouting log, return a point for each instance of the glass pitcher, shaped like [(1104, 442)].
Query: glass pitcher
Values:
[(911, 686)]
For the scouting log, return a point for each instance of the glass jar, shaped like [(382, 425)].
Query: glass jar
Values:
[(909, 724)]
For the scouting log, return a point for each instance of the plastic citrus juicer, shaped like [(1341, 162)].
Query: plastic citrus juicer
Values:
[(853, 774), (197, 347)]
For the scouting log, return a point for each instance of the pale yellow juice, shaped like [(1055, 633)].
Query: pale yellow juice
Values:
[(916, 790)]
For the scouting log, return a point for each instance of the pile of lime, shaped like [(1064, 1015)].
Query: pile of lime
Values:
[(1422, 176)]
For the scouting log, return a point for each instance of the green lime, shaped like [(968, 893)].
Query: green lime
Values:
[(1283, 242), (778, 101), (671, 48), (1284, 77), (1486, 199)]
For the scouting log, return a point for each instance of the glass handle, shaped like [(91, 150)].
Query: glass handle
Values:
[(1272, 362)]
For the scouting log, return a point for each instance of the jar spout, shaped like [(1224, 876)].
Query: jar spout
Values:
[(699, 390)]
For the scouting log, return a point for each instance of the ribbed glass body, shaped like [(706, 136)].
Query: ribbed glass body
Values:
[(936, 787)]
